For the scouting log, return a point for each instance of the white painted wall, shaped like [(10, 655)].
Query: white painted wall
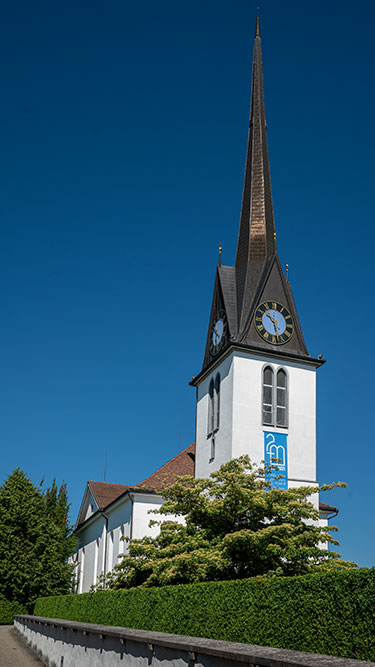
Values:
[(223, 437), (100, 546), (142, 517), (241, 430)]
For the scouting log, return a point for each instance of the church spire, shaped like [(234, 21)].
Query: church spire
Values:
[(257, 227), (253, 305)]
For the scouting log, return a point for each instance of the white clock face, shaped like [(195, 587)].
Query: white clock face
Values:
[(217, 332), (274, 322)]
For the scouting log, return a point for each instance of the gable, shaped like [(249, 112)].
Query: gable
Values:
[(106, 493), (99, 495), (224, 298), (274, 287), (88, 506)]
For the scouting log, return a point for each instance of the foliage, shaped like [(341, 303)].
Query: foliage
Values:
[(326, 612), (236, 526), (35, 540), (8, 611)]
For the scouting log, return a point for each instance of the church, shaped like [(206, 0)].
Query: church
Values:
[(256, 391)]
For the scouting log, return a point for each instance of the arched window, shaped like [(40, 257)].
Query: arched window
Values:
[(210, 417), (275, 397), (213, 417), (217, 402), (281, 398), (268, 402)]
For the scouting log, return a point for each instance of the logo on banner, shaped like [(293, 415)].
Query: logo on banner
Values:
[(276, 454)]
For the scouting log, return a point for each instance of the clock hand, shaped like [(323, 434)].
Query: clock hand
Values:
[(273, 320), (216, 336)]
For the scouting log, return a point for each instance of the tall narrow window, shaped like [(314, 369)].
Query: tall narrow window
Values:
[(281, 398), (122, 540), (212, 453), (268, 411), (211, 413), (81, 570), (217, 402), (96, 558)]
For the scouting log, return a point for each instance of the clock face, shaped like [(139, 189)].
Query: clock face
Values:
[(218, 332), (274, 323)]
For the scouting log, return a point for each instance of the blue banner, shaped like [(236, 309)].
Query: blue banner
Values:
[(276, 454)]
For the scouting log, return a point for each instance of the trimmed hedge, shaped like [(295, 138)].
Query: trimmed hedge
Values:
[(332, 613), (8, 610)]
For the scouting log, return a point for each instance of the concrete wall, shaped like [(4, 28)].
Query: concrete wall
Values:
[(68, 644)]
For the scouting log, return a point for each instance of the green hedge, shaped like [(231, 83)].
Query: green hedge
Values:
[(8, 610), (332, 613)]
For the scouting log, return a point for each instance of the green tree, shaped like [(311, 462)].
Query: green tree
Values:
[(236, 525), (35, 540)]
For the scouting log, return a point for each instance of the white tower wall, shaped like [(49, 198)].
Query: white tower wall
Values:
[(241, 429)]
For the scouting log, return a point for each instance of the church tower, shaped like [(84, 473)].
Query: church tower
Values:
[(256, 390)]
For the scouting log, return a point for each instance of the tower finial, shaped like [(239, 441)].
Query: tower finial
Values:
[(220, 249), (287, 271)]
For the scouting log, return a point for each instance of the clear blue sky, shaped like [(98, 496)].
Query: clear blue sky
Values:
[(123, 138)]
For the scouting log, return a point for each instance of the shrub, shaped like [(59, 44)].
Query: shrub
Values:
[(8, 610), (331, 613)]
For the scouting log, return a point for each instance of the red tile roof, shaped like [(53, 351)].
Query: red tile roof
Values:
[(106, 493), (182, 464), (327, 508)]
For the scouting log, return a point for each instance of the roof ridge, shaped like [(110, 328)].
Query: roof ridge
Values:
[(94, 481), (166, 463)]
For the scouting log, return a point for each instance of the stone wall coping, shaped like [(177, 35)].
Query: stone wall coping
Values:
[(249, 653)]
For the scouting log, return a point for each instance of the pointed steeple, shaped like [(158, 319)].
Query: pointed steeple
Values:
[(257, 228), (242, 291)]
